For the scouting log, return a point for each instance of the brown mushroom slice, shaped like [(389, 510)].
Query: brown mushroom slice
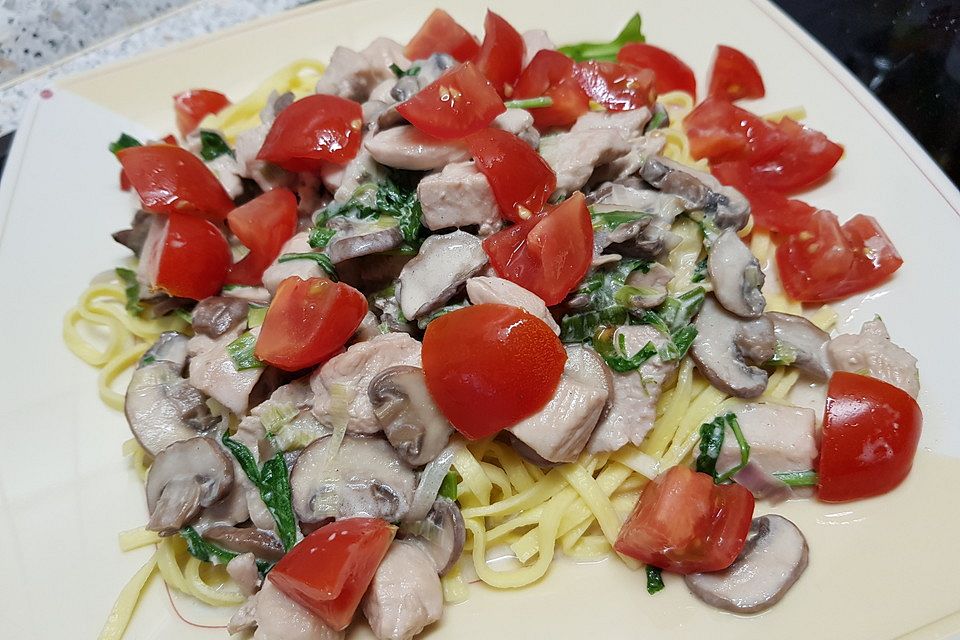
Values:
[(444, 263), (260, 543), (773, 558), (726, 347), (361, 238), (806, 342), (736, 276), (442, 534), (410, 419), (699, 191), (184, 477), (364, 477), (651, 286), (217, 315)]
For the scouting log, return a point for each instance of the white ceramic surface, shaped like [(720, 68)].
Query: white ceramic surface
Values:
[(879, 568)]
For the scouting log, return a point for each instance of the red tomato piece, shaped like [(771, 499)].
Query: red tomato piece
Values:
[(196, 104), (442, 34), (770, 209), (550, 74), (734, 76), (329, 571), (520, 178), (548, 254), (308, 321), (170, 179), (501, 55), (617, 86), (262, 225), (685, 523), (458, 103), (721, 131), (488, 366), (807, 157), (670, 72), (826, 261), (313, 131), (194, 258), (870, 434)]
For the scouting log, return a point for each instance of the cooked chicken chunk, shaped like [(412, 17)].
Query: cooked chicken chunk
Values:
[(405, 595), (458, 196), (406, 148), (483, 289), (872, 352), (782, 438), (212, 371), (352, 75), (573, 156), (303, 269), (629, 124), (535, 40), (519, 122), (274, 616)]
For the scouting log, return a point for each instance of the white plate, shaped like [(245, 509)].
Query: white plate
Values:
[(879, 568)]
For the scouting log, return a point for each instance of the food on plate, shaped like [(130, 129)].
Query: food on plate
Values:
[(385, 315)]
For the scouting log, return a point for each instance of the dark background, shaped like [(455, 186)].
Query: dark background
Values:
[(906, 51)]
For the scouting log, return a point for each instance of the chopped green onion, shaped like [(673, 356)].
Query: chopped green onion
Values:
[(131, 288), (397, 71), (241, 352), (183, 314), (798, 478), (659, 117), (255, 315), (203, 550), (711, 442), (744, 450), (322, 260), (529, 103), (616, 357), (784, 355), (448, 488), (654, 579), (700, 271), (606, 50)]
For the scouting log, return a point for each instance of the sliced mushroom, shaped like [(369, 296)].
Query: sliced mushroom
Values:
[(160, 405), (699, 191), (134, 237), (773, 558), (360, 238), (260, 543), (806, 341), (442, 266), (736, 276), (442, 534), (184, 477), (726, 346), (365, 477), (216, 315), (651, 285), (410, 419)]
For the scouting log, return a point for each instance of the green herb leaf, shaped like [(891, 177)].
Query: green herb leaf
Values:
[(606, 50), (183, 314), (610, 220), (606, 307), (212, 145), (744, 450), (712, 435), (784, 355), (448, 488), (399, 73), (125, 141), (423, 322), (529, 103), (700, 271), (320, 237), (654, 579), (616, 357), (131, 288), (322, 259), (241, 352), (402, 204), (798, 478), (203, 550)]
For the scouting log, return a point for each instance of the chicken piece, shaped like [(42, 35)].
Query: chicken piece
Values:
[(519, 122), (405, 595), (458, 196), (481, 289), (342, 180), (632, 407), (303, 269), (266, 175), (535, 40), (573, 156), (629, 124), (406, 148), (243, 570), (625, 166), (349, 374), (872, 352), (227, 170), (274, 616), (212, 371), (383, 52), (782, 438), (559, 431), (353, 75)]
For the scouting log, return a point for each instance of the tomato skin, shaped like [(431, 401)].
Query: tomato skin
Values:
[(550, 74), (734, 75), (870, 434), (170, 179), (458, 103), (488, 366), (442, 34), (685, 523), (518, 175), (770, 209), (194, 258), (807, 157), (548, 254), (617, 86), (329, 571), (670, 72), (721, 131), (262, 225), (501, 55), (308, 322), (196, 104), (313, 131)]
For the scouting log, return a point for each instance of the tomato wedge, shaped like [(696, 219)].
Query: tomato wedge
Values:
[(721, 131), (170, 179), (501, 55), (734, 76), (827, 261), (262, 225), (550, 74), (194, 258), (617, 86), (685, 523), (308, 321), (774, 211), (313, 131), (488, 366), (458, 103), (670, 72), (196, 104), (520, 178), (329, 571), (870, 434), (807, 157), (442, 34), (548, 254)]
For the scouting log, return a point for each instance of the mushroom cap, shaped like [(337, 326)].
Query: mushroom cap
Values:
[(444, 534), (773, 558), (444, 263), (263, 544), (185, 476), (736, 276), (216, 315), (807, 340), (361, 238), (410, 419)]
